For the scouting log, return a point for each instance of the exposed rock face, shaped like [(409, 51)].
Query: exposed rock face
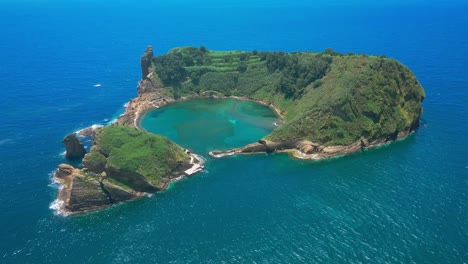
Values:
[(304, 149), (84, 192), (86, 195), (137, 181), (113, 174), (146, 62), (74, 147), (150, 96), (63, 171), (96, 165)]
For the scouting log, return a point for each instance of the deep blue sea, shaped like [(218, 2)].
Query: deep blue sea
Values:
[(403, 203)]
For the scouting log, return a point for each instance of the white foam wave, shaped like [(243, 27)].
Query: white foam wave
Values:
[(112, 121), (97, 85), (93, 127), (221, 155), (53, 181), (178, 178), (57, 207)]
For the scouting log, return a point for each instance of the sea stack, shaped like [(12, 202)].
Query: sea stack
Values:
[(74, 147), (146, 62)]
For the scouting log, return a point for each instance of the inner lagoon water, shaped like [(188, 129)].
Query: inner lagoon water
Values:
[(211, 124), (406, 202)]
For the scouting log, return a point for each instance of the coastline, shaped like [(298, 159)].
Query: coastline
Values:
[(150, 97), (306, 150), (64, 181), (154, 98)]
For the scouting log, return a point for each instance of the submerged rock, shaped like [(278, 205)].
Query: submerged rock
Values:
[(74, 147)]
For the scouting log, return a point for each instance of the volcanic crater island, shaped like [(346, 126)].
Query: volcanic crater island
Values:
[(329, 104)]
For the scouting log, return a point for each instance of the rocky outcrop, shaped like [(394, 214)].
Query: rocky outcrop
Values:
[(304, 149), (149, 97), (123, 164), (63, 171), (146, 62), (83, 191), (131, 178), (74, 147), (94, 161), (85, 195)]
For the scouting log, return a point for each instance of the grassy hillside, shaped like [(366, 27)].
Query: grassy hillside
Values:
[(128, 150), (326, 97)]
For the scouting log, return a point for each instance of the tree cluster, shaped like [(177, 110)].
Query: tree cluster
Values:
[(296, 73)]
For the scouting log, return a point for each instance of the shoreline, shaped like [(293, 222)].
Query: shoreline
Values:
[(65, 186), (147, 101), (317, 151), (150, 97)]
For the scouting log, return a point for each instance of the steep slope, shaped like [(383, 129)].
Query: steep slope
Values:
[(327, 98), (123, 164)]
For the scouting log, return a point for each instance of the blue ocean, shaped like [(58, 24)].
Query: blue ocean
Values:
[(66, 65)]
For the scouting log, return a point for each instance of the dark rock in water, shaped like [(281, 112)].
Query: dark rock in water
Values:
[(74, 147), (146, 62)]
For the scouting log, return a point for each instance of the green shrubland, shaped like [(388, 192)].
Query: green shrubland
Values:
[(130, 150), (328, 97)]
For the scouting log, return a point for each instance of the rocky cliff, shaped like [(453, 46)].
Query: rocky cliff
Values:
[(74, 147), (145, 62), (123, 164)]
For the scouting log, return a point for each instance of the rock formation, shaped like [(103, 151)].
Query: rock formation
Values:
[(84, 191), (123, 164), (146, 62), (74, 147)]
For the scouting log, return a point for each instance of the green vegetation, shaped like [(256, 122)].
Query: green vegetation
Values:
[(129, 150), (328, 97)]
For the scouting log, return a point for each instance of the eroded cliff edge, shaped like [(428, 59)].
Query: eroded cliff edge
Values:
[(331, 104), (123, 164)]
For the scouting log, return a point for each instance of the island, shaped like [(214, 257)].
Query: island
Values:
[(123, 164), (329, 104)]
